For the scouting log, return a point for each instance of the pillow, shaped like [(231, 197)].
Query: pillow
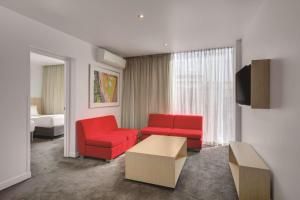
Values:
[(33, 110)]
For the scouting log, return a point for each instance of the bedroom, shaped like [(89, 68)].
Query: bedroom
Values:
[(47, 98)]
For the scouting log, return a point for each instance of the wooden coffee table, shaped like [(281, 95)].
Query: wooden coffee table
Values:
[(157, 160)]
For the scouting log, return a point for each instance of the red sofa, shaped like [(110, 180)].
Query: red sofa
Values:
[(189, 126), (101, 138)]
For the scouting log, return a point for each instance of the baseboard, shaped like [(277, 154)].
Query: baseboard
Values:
[(74, 154), (14, 180)]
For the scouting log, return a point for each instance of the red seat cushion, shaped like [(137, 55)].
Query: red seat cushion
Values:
[(161, 120), (195, 134), (188, 122), (106, 140), (155, 131), (130, 133)]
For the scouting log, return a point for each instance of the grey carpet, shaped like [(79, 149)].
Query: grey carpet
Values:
[(205, 176)]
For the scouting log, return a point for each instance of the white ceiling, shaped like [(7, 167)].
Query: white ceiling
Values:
[(41, 60), (114, 25)]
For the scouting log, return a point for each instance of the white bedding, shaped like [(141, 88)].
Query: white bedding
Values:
[(32, 126), (48, 120)]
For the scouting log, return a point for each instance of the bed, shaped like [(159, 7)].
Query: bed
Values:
[(47, 126), (32, 128)]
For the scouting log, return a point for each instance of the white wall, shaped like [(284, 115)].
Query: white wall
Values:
[(36, 80), (17, 35), (275, 133)]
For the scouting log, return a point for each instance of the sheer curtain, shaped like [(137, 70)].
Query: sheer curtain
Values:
[(145, 89), (202, 82), (53, 89)]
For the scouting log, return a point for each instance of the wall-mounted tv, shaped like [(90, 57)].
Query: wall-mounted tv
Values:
[(243, 86)]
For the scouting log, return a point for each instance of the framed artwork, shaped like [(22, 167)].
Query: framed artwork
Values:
[(104, 87)]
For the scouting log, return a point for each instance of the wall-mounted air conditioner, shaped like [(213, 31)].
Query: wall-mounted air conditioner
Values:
[(109, 58)]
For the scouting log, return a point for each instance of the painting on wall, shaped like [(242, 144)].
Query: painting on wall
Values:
[(104, 87)]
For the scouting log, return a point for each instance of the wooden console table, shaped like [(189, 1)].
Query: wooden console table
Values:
[(250, 173)]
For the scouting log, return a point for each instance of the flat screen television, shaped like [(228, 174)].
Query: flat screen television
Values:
[(243, 86)]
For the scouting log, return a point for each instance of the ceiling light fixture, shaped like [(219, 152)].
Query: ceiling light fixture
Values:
[(141, 16), (165, 44)]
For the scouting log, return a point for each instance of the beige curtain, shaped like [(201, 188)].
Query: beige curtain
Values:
[(145, 89), (53, 89)]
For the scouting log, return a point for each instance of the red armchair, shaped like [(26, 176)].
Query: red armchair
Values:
[(189, 126), (101, 138)]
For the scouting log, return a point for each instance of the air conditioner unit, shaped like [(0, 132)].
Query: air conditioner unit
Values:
[(109, 58)]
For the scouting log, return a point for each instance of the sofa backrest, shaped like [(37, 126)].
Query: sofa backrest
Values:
[(188, 122), (98, 125), (161, 120)]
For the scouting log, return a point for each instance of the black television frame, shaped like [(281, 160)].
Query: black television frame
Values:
[(243, 86)]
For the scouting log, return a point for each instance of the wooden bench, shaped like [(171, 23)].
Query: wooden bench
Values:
[(250, 173)]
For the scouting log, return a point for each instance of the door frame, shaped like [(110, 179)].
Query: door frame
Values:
[(67, 87)]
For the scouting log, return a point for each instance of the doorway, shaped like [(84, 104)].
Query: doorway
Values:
[(48, 103)]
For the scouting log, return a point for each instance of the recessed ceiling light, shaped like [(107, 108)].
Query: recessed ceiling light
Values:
[(165, 44), (141, 16)]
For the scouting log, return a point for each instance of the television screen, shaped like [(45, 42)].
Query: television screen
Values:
[(243, 86)]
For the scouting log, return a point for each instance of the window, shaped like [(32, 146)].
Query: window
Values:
[(202, 82)]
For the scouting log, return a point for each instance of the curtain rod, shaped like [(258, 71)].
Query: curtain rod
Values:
[(161, 54)]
